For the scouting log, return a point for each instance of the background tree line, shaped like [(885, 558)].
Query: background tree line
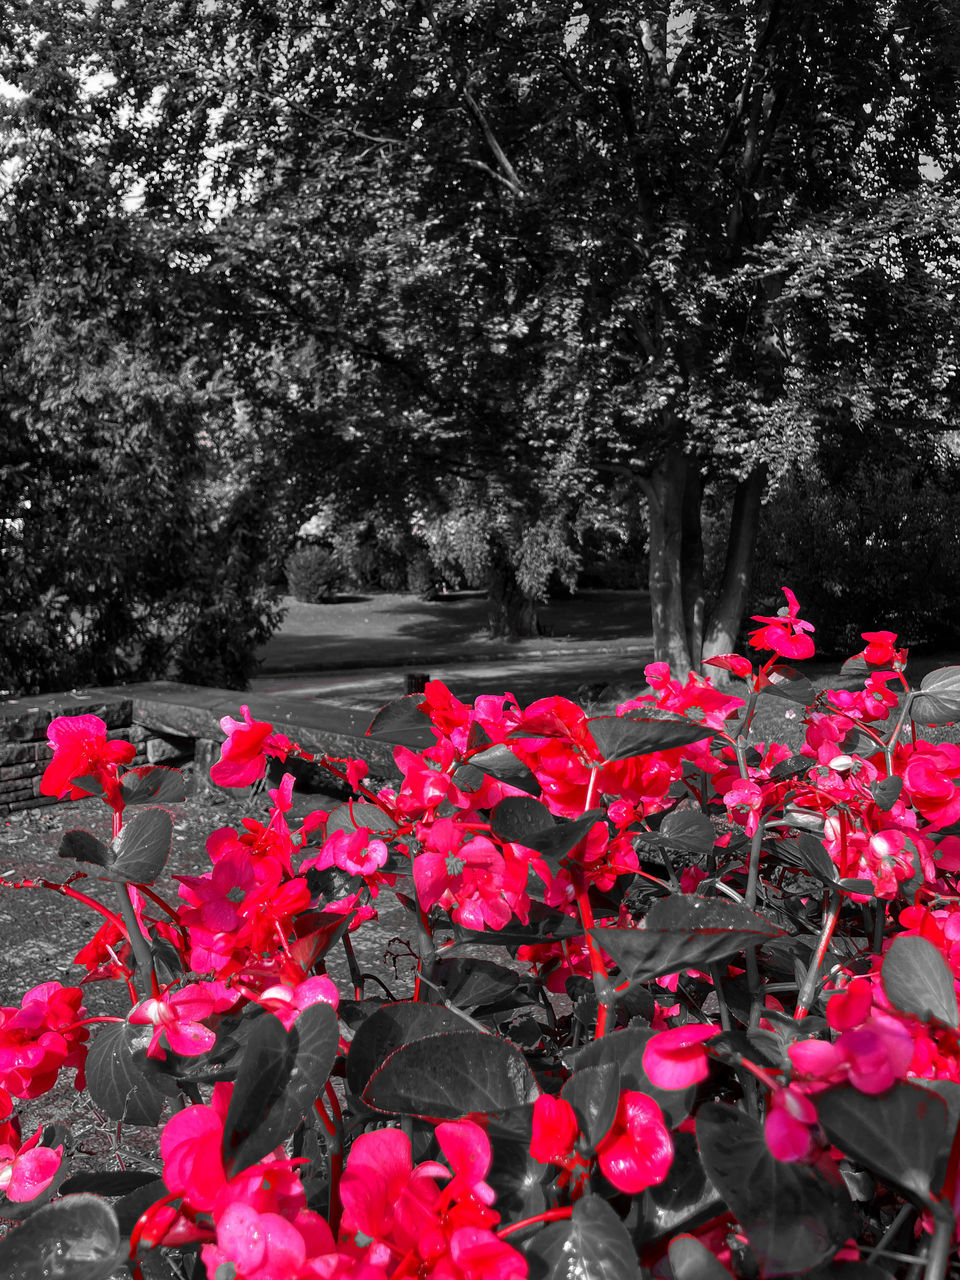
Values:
[(486, 279)]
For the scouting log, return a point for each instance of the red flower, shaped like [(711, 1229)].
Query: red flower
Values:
[(880, 651), (555, 1129), (637, 1151), (784, 634), (81, 750), (243, 757), (676, 1058), (27, 1170)]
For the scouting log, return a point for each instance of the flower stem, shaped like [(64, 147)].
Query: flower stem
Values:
[(805, 998), (548, 1215)]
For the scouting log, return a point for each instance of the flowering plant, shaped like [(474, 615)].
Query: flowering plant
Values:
[(720, 1035)]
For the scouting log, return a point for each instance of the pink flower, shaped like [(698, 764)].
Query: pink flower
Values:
[(880, 650), (287, 1003), (243, 757), (637, 1151), (28, 1170), (676, 1058), (81, 750), (784, 634), (744, 801), (179, 1016), (740, 666), (787, 1128)]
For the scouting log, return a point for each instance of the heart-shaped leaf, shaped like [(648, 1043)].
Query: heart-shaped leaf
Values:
[(900, 1135), (782, 681), (470, 983), (938, 701), (793, 1217), (622, 737), (256, 1119), (316, 1034), (684, 933), (115, 1081), (450, 1075), (685, 1197), (812, 856), (84, 847), (690, 1259), (389, 1027), (519, 818), (886, 792), (402, 721), (594, 1094), (791, 768), (499, 762), (76, 1238), (153, 782), (593, 1244), (917, 980), (686, 830), (142, 848), (357, 816)]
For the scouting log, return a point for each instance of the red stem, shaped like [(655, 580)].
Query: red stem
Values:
[(548, 1215), (70, 892)]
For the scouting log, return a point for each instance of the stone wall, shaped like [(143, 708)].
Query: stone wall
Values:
[(171, 723)]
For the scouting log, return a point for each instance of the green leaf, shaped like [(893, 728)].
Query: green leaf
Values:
[(153, 782), (900, 1135), (518, 818), (142, 848), (938, 701), (256, 1120), (593, 1244), (886, 792), (115, 1082), (784, 682), (76, 1238), (358, 815), (690, 1259), (444, 1077), (622, 737), (389, 1027), (793, 1217), (402, 721), (84, 847), (684, 933), (594, 1094), (500, 763), (917, 980)]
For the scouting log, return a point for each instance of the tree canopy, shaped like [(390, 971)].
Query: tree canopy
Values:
[(492, 269)]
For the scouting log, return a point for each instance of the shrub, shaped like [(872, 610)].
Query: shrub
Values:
[(312, 574)]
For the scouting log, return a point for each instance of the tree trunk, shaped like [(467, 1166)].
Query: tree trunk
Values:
[(691, 564), (664, 490), (511, 614), (727, 614)]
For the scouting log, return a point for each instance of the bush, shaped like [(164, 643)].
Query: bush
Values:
[(312, 574), (871, 543)]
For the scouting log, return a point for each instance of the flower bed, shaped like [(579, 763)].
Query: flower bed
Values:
[(720, 1036)]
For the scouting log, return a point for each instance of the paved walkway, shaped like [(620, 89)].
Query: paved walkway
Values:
[(357, 653)]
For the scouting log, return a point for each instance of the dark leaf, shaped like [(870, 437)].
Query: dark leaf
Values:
[(621, 737), (257, 1117), (791, 768), (812, 856), (470, 983), (115, 1081), (917, 980), (389, 1027), (686, 830), (518, 818), (594, 1093), (84, 847), (129, 1207), (142, 848), (153, 782), (76, 1238), (684, 933), (938, 701), (886, 791), (692, 1260), (593, 1244), (900, 1135), (402, 721), (784, 682), (118, 1182), (357, 815), (317, 1036), (793, 1217), (685, 1196), (446, 1076), (500, 763), (561, 839), (545, 926)]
